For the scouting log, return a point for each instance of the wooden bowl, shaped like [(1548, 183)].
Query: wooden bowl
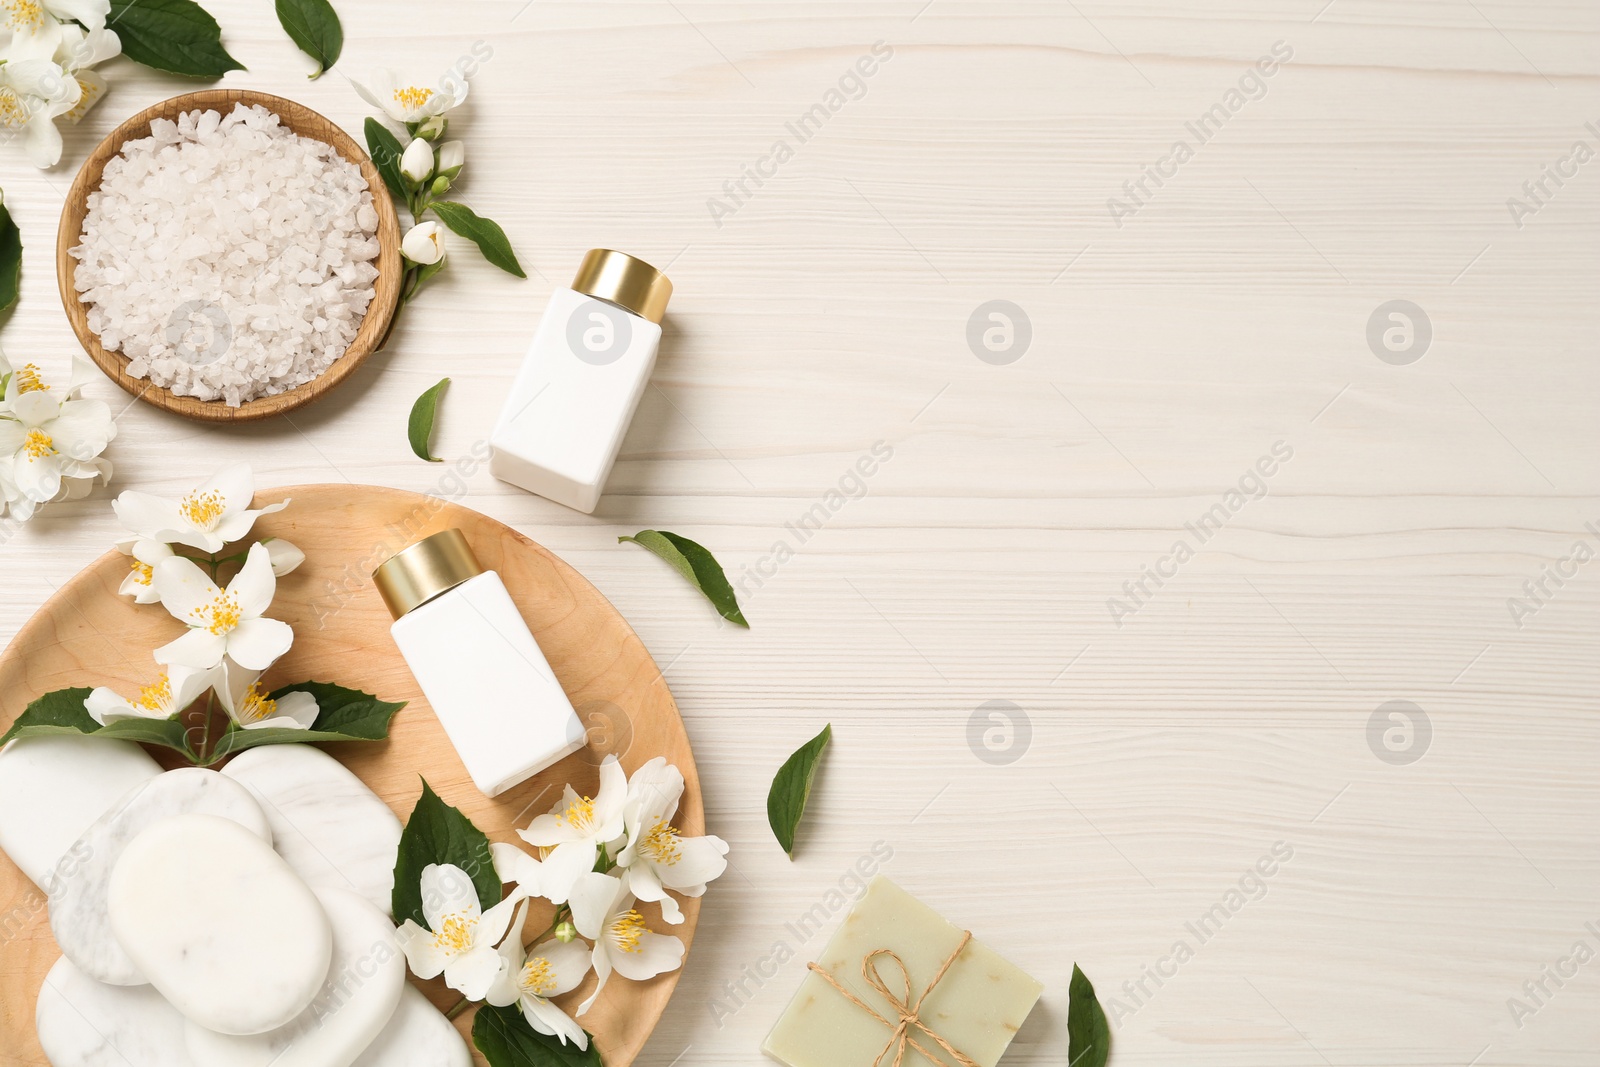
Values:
[(86, 634), (302, 120)]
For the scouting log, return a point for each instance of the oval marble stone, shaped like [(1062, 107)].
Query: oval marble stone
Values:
[(84, 1023), (78, 915), (326, 823), (355, 1004), (418, 1036), (52, 789), (219, 924)]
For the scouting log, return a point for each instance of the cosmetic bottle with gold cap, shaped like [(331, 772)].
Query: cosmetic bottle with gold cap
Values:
[(477, 663), (581, 380)]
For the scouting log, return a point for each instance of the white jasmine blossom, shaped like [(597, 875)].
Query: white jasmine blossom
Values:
[(423, 244), (239, 691), (411, 103), (416, 162), (577, 828), (452, 157), (603, 911), (173, 690), (44, 69), (140, 582), (222, 622), (206, 519), (657, 857), (460, 938), (50, 438), (530, 977), (284, 555), (516, 868)]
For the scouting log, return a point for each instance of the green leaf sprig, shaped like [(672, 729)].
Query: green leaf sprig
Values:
[(314, 27), (419, 428), (697, 565), (791, 788), (10, 257), (485, 233), (177, 36), (1088, 1036), (342, 715)]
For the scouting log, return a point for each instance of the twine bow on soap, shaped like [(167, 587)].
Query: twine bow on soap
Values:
[(908, 1012)]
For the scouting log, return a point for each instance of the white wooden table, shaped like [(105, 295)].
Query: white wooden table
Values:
[(1153, 758)]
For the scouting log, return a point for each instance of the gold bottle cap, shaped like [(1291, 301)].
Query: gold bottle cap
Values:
[(620, 279), (416, 574)]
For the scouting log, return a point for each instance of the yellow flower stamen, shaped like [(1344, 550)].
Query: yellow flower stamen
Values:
[(538, 977), (157, 696), (580, 813), (38, 444), (23, 14), (203, 509), (14, 111), (257, 706), (456, 933), (661, 843), (88, 95), (221, 616), (412, 97), (627, 931), (28, 380), (145, 572)]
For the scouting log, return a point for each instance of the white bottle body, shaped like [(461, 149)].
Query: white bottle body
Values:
[(572, 400), (489, 683)]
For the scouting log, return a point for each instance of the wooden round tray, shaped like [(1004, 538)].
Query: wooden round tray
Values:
[(87, 635), (307, 123)]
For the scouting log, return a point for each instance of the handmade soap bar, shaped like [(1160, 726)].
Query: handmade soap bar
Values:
[(975, 1007), (326, 823), (78, 915), (355, 1003), (418, 1036), (220, 924), (53, 788), (84, 1023)]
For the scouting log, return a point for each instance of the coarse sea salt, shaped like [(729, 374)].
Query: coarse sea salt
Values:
[(228, 258)]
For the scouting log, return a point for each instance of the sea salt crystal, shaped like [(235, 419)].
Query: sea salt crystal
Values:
[(227, 257)]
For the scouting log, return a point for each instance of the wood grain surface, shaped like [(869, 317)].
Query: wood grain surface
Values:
[(830, 310), (303, 121), (87, 635)]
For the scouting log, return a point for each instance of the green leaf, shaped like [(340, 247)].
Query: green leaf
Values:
[(791, 788), (698, 566), (177, 36), (313, 25), (384, 148), (10, 257), (1088, 1036), (438, 833), (342, 715), (485, 233), (168, 733), (506, 1040), (60, 712), (419, 428)]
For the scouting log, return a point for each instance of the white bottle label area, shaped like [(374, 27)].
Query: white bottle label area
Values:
[(489, 684), (570, 406)]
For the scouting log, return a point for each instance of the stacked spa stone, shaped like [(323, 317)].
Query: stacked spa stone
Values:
[(206, 919)]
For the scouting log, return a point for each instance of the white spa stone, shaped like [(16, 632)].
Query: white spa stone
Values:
[(326, 823), (219, 924), (418, 1036), (354, 1005), (78, 915), (53, 788), (84, 1023)]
